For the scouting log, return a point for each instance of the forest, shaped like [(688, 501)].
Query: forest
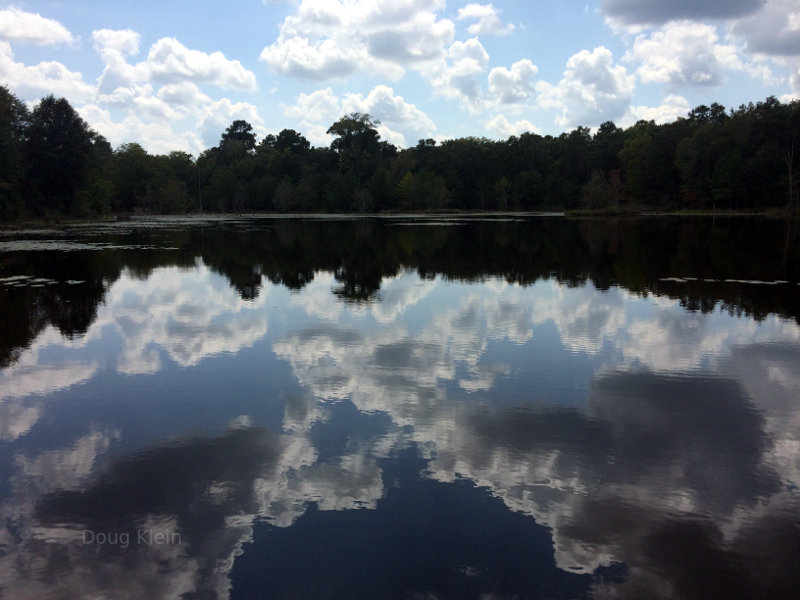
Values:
[(54, 166)]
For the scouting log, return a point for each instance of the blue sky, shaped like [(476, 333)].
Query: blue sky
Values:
[(172, 75)]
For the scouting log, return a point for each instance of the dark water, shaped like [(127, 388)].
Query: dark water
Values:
[(395, 408)]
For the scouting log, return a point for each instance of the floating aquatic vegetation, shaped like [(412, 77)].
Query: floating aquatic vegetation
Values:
[(67, 246), (744, 281)]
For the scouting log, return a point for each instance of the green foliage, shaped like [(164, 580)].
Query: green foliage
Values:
[(355, 132), (356, 141), (59, 145), (149, 184), (421, 191), (239, 133), (639, 159), (289, 139), (602, 191), (130, 173), (713, 158), (14, 121)]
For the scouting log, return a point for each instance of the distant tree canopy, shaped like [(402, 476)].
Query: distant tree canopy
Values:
[(14, 120), (52, 164), (241, 132), (355, 134)]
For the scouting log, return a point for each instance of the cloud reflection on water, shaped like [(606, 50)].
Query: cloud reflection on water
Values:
[(670, 429), (686, 428)]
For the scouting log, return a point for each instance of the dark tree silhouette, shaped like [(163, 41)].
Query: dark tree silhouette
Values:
[(58, 151), (242, 132), (51, 163), (14, 121)]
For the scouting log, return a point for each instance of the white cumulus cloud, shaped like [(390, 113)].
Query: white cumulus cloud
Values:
[(170, 61), (298, 57), (124, 41), (328, 39), (487, 20), (158, 101), (184, 93), (155, 136), (217, 115), (401, 121), (19, 26), (458, 75), (672, 107), (318, 105), (393, 112), (50, 77), (513, 85), (592, 90), (683, 54), (505, 128)]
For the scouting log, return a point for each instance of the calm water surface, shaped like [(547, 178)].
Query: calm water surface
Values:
[(398, 408)]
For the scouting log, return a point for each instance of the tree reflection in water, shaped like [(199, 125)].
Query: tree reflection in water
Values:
[(391, 408)]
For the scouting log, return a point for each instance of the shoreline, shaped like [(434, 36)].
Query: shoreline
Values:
[(219, 217)]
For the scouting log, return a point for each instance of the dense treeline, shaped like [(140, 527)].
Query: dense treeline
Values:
[(53, 164)]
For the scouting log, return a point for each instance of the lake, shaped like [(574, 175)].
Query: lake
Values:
[(401, 407)]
